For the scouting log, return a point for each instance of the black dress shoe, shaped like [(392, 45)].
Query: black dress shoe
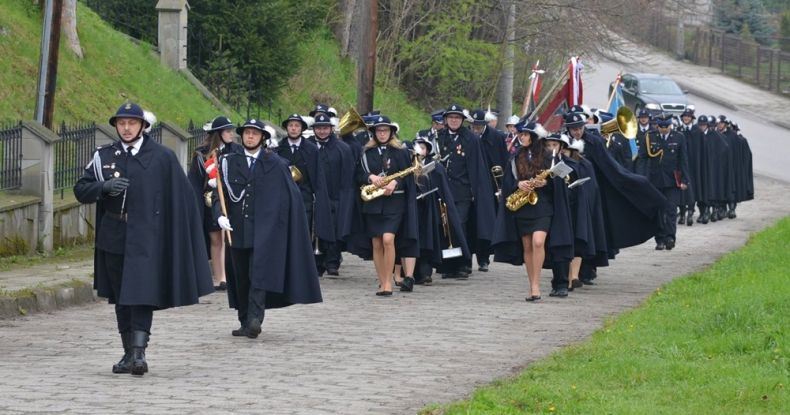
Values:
[(407, 285), (384, 293), (690, 218), (428, 281), (532, 298), (223, 286), (660, 246), (559, 292), (587, 282), (253, 328), (239, 332), (681, 218), (670, 244), (332, 271), (483, 267), (731, 214), (577, 283)]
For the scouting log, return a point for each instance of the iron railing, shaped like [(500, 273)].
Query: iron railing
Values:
[(72, 153), (11, 156)]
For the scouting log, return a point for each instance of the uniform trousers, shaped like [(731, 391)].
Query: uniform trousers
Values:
[(668, 226), (250, 301), (560, 272), (129, 317)]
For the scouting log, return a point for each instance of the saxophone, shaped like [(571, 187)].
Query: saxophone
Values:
[(519, 198), (369, 192)]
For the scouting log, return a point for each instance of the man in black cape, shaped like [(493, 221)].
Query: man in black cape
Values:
[(470, 185), (338, 164), (631, 205), (302, 154), (270, 238), (433, 239), (150, 253), (714, 166), (492, 142), (740, 156), (694, 156), (745, 188)]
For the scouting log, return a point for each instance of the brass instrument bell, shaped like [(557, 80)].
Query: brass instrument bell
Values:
[(350, 122), (624, 122), (296, 174)]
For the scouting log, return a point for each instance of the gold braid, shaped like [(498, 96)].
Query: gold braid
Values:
[(659, 153)]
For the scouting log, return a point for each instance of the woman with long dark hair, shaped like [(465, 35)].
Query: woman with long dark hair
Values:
[(202, 175)]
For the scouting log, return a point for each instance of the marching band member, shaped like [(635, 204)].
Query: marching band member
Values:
[(262, 208), (393, 215), (203, 177), (520, 235), (302, 157), (693, 140), (470, 184), (662, 160), (149, 253), (338, 165)]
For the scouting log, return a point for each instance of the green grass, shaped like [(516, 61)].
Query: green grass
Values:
[(714, 342), (64, 255), (327, 78), (114, 69)]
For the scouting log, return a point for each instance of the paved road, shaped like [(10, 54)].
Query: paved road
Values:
[(769, 142), (355, 353)]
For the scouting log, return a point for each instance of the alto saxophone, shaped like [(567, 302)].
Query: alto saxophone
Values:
[(369, 192), (519, 198)]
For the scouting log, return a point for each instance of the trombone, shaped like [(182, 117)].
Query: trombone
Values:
[(317, 249), (497, 173), (450, 252)]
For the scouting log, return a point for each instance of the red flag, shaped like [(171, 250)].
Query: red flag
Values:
[(555, 106)]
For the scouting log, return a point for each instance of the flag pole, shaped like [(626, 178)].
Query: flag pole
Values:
[(614, 90)]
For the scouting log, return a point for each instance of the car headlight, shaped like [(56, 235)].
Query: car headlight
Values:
[(652, 106)]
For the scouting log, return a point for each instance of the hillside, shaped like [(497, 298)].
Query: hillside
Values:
[(114, 69)]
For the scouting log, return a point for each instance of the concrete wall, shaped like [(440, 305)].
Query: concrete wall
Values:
[(73, 223), (19, 224)]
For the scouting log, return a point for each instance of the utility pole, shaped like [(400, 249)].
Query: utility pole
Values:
[(48, 65), (366, 64)]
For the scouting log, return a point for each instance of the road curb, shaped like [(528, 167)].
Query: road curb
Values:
[(47, 299)]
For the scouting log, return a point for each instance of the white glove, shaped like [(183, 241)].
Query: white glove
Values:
[(224, 223), (212, 183)]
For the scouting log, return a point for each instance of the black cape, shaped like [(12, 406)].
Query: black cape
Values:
[(322, 211), (631, 204), (282, 263), (587, 213), (715, 164), (165, 261), (507, 245), (339, 182)]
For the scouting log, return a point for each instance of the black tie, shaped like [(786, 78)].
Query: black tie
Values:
[(129, 151), (294, 147)]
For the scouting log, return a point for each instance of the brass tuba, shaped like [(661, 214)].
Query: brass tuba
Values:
[(624, 122), (350, 122)]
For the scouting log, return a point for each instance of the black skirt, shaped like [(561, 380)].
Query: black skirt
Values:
[(527, 226), (377, 224), (209, 224)]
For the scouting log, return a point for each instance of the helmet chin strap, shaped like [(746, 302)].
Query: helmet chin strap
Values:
[(138, 136)]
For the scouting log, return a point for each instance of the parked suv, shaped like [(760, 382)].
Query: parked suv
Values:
[(655, 93)]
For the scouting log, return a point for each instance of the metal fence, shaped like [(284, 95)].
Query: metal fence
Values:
[(768, 68), (11, 156), (196, 137), (156, 133), (72, 153)]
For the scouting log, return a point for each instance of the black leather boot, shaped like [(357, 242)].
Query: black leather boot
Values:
[(681, 216), (125, 364), (690, 217), (705, 217), (731, 212), (139, 342)]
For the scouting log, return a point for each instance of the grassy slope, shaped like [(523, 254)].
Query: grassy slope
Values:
[(714, 342), (325, 77), (114, 69)]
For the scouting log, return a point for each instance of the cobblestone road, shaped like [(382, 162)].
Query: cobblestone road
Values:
[(355, 353)]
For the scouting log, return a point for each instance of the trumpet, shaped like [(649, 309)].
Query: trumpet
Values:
[(497, 173), (369, 192)]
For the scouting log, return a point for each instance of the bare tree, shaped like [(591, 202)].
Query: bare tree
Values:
[(69, 22)]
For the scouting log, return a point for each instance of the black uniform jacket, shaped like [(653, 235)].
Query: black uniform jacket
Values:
[(631, 205), (620, 149), (507, 243), (268, 217), (494, 149), (715, 167), (668, 167), (693, 140), (465, 159), (165, 263), (312, 186)]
